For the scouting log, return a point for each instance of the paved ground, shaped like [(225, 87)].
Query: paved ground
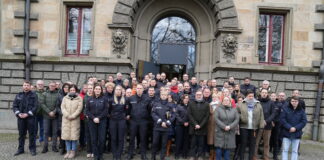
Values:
[(8, 144)]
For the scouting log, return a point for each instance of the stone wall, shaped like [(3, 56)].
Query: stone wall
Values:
[(12, 77), (283, 82)]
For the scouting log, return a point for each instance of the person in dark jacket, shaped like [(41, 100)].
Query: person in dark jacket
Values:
[(88, 96), (194, 84), (119, 79), (244, 88), (182, 128), (163, 117), (187, 90), (62, 93), (48, 105), (269, 112), (139, 107), (301, 102), (227, 119), (118, 112), (198, 113), (97, 110), (293, 119), (276, 141), (25, 107), (109, 95)]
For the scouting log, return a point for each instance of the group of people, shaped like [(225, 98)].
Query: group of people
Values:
[(199, 116)]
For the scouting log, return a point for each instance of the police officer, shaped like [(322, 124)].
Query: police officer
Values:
[(25, 107), (139, 118), (163, 116), (118, 109), (97, 110)]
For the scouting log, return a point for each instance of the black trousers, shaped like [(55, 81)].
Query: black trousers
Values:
[(108, 137), (59, 133), (248, 136), (157, 137), (182, 140), (275, 139), (138, 128), (50, 128), (88, 136), (82, 139), (98, 136), (24, 125), (117, 131), (197, 145)]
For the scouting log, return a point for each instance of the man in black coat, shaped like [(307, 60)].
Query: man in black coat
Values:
[(198, 113), (269, 112), (139, 107), (247, 86), (25, 107)]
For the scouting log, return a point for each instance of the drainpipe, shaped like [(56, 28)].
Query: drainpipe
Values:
[(318, 98), (26, 40)]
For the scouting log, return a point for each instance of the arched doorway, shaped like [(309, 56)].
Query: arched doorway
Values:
[(212, 21), (173, 46)]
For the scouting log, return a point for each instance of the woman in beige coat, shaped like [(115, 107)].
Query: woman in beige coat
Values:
[(71, 108), (211, 124)]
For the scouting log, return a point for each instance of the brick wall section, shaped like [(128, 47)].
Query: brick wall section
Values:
[(285, 82), (12, 76)]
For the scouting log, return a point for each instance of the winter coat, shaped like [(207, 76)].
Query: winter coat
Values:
[(269, 112), (71, 107), (225, 116), (162, 111), (40, 97), (48, 103), (25, 102), (211, 123), (245, 88), (139, 108), (290, 117), (258, 117), (198, 113)]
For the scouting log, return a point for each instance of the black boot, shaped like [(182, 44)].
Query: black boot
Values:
[(144, 157), (54, 149), (45, 149)]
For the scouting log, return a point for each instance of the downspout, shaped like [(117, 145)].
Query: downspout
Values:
[(318, 98), (26, 40)]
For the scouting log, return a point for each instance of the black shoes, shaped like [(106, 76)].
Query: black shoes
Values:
[(54, 149), (45, 149), (18, 153), (33, 153)]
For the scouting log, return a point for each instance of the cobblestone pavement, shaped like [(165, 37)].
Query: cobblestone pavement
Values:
[(309, 150)]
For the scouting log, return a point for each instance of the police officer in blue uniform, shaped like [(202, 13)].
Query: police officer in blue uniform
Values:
[(139, 119), (163, 117), (25, 107)]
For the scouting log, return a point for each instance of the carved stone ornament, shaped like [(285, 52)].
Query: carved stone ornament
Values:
[(229, 45), (119, 42)]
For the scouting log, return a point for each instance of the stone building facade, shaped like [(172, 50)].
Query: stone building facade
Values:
[(228, 42)]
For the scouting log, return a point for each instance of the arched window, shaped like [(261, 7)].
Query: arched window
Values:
[(175, 32)]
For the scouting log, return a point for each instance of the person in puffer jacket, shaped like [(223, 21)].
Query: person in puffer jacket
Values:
[(293, 119)]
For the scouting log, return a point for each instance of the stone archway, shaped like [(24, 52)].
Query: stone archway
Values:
[(213, 20)]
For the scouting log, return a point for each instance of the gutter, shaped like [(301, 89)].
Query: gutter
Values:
[(26, 40)]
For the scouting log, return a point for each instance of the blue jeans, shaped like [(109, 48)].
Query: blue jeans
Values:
[(220, 151), (286, 143), (39, 120), (71, 145)]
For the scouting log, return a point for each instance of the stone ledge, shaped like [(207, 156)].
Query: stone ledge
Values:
[(318, 45), (21, 14), (20, 33), (20, 51), (320, 8), (262, 68), (67, 60)]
